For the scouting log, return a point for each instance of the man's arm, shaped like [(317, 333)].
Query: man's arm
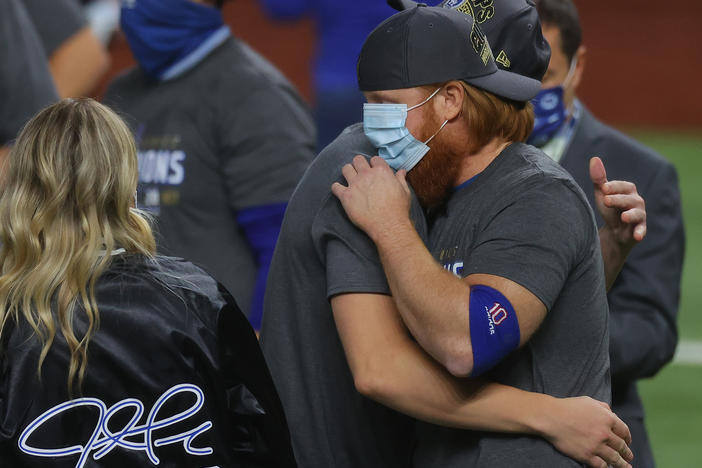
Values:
[(389, 367), (261, 226), (77, 59), (262, 157), (433, 303), (624, 213), (78, 64)]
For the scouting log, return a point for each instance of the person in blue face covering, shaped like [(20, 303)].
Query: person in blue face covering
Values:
[(644, 300), (556, 109), (550, 113), (223, 139)]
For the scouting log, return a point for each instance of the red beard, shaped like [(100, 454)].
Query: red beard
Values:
[(435, 175)]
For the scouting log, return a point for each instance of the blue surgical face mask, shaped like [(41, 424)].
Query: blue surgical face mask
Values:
[(384, 125), (162, 32), (549, 111)]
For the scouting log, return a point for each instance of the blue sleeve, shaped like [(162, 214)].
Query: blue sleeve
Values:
[(286, 9), (261, 226)]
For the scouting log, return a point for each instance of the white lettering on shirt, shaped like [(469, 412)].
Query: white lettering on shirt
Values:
[(164, 167)]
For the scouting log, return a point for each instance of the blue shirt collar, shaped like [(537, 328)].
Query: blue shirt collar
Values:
[(466, 183)]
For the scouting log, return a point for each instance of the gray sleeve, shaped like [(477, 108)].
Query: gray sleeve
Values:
[(55, 21), (536, 240), (267, 142), (349, 255), (26, 85)]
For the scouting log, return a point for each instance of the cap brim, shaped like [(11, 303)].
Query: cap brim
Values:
[(507, 85)]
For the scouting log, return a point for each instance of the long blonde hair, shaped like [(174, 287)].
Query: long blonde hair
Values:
[(67, 201)]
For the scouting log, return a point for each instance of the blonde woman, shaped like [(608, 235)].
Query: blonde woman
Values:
[(109, 354)]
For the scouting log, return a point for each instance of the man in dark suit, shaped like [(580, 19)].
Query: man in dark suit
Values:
[(644, 299)]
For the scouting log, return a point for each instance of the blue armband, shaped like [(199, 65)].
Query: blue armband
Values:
[(494, 328)]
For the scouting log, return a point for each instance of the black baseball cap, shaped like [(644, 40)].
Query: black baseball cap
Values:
[(512, 28), (425, 45)]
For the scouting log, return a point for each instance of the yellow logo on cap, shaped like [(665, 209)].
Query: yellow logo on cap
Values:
[(477, 37), (486, 52), (485, 9), (465, 8), (502, 58)]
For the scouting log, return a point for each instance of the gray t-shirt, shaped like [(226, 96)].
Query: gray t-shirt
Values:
[(26, 85), (525, 219), (320, 253), (55, 21), (227, 135)]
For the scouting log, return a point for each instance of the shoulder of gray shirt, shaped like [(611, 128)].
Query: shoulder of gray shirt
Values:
[(55, 21)]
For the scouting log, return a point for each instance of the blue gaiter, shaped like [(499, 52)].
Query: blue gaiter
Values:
[(550, 112), (549, 115), (163, 32)]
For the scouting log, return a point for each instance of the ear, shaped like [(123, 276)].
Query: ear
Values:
[(450, 102), (581, 55)]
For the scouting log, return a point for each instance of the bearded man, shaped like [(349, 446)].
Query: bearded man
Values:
[(337, 348), (523, 301)]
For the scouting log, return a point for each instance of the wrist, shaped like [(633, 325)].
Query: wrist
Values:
[(390, 230), (542, 419), (614, 252)]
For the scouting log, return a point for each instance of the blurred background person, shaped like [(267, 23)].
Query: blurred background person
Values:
[(223, 140), (341, 31), (25, 81), (77, 59), (103, 17), (79, 281), (644, 300)]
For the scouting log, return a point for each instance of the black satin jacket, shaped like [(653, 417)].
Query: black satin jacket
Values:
[(175, 378)]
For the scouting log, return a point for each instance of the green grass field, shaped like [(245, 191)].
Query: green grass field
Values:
[(673, 398)]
